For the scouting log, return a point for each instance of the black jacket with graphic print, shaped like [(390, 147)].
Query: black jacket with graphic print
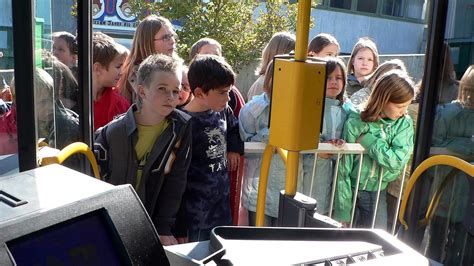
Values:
[(208, 188)]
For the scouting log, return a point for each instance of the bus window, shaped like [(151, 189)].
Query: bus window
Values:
[(449, 237), (8, 132), (57, 102)]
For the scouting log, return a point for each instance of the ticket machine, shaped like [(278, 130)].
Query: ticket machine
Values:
[(56, 216)]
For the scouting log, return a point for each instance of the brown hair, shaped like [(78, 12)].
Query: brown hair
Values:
[(69, 38), (280, 43), (105, 49), (362, 43), (143, 45), (202, 42), (466, 89), (394, 86), (332, 63), (268, 81), (322, 40)]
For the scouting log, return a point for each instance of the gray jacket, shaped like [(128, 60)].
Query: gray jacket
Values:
[(164, 175)]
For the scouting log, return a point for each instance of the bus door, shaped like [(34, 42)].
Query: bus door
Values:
[(44, 80)]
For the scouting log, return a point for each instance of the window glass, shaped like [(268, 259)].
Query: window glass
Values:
[(8, 130), (369, 6), (449, 235), (416, 9), (346, 4), (393, 8), (57, 102)]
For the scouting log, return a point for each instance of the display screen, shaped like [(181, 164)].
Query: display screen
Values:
[(90, 239)]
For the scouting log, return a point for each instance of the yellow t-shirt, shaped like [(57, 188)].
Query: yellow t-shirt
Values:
[(147, 136)]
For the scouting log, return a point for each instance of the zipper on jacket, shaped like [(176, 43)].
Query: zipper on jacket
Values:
[(167, 150), (371, 174)]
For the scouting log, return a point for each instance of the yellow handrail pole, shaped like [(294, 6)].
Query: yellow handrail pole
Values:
[(435, 160), (262, 185), (283, 154), (76, 147), (302, 30), (435, 201), (291, 172)]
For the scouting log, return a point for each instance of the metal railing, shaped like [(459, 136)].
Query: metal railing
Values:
[(347, 148)]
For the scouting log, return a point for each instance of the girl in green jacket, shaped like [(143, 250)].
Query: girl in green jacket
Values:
[(386, 133)]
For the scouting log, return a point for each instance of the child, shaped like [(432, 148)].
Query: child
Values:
[(8, 130), (216, 147), (108, 60), (280, 43), (149, 146), (65, 48), (253, 125), (211, 46), (386, 133), (360, 97), (318, 185), (65, 82), (454, 130), (363, 61), (449, 86), (58, 125), (185, 96), (324, 45), (205, 46), (154, 34)]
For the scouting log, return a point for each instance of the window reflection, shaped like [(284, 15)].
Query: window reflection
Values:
[(57, 102), (8, 131), (449, 236)]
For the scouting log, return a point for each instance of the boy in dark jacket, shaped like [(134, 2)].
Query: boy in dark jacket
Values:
[(217, 146), (149, 146)]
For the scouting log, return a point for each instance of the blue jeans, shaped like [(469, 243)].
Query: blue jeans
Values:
[(199, 235), (365, 209)]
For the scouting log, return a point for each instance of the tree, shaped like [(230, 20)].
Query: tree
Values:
[(232, 23)]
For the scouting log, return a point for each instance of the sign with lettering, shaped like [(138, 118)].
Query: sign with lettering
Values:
[(113, 14)]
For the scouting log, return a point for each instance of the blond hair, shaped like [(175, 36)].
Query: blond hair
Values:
[(466, 89), (280, 43), (395, 87), (268, 81)]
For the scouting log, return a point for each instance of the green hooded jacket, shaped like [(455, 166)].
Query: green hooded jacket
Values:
[(388, 144)]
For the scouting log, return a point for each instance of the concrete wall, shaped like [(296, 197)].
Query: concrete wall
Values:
[(391, 36)]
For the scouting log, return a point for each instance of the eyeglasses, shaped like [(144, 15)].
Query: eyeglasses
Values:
[(162, 91), (167, 38)]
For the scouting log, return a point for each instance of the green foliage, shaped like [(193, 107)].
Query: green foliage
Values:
[(232, 23), (74, 8)]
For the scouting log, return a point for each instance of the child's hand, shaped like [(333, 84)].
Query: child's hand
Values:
[(359, 139), (233, 158), (168, 240), (336, 142)]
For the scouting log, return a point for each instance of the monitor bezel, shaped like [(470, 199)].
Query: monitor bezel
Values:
[(125, 210)]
